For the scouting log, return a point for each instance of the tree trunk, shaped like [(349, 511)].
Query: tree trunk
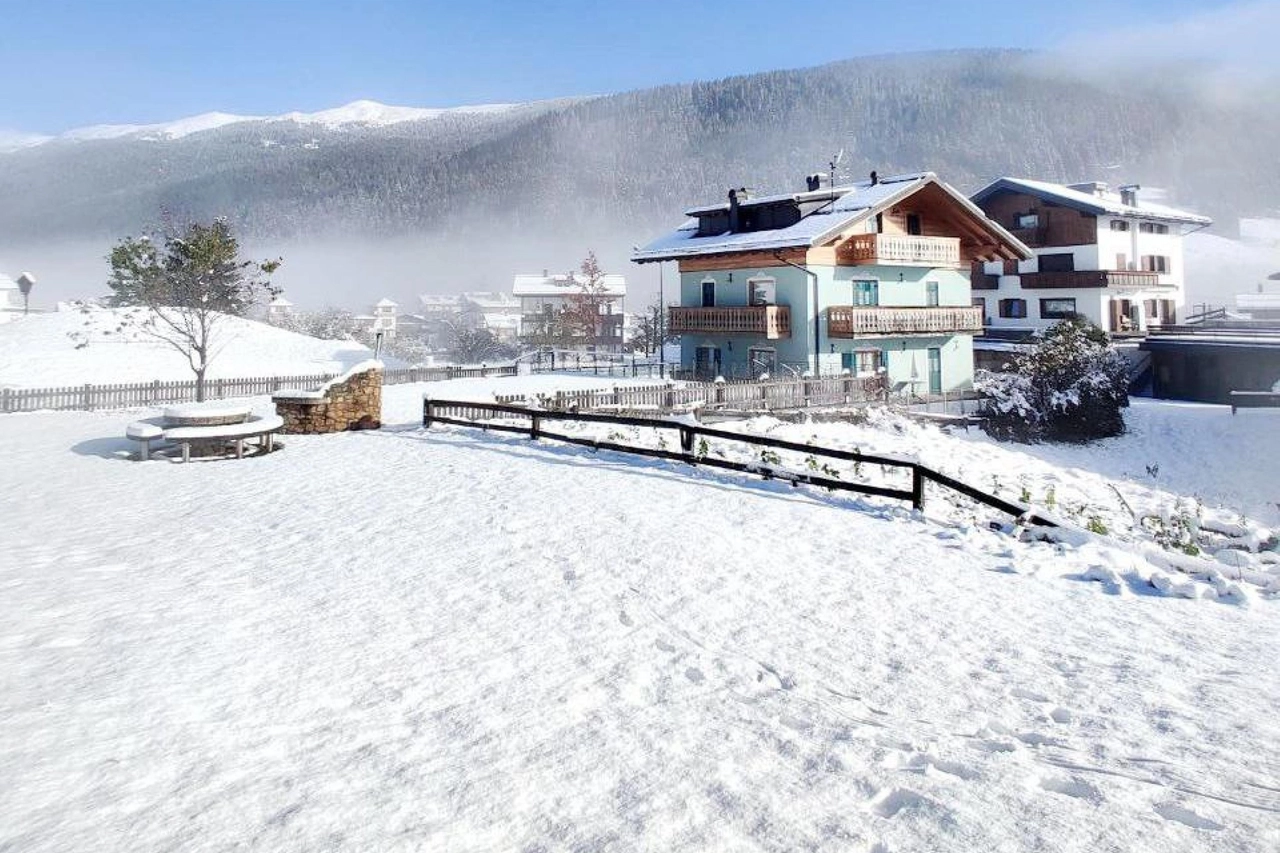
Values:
[(200, 385)]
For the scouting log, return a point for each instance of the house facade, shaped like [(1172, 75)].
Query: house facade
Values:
[(871, 277), (496, 313), (1108, 255), (547, 301)]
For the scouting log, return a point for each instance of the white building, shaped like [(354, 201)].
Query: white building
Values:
[(279, 310), (496, 313), (383, 319), (12, 303), (543, 298), (1110, 256)]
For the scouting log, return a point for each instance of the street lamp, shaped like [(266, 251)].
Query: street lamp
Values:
[(26, 281), (662, 327)]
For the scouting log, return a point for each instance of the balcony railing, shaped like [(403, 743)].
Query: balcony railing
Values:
[(901, 250), (766, 321), (849, 322), (1090, 278)]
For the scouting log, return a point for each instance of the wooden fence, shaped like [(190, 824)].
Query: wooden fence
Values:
[(521, 420), (769, 395), (124, 395)]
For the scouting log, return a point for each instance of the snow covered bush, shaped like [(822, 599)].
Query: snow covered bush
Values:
[(1071, 386)]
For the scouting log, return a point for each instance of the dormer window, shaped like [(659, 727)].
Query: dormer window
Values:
[(1029, 220)]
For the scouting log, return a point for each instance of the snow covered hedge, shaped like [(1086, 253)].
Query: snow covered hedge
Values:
[(1070, 387)]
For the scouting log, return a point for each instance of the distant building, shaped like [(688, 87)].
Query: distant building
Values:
[(1110, 256), (279, 311), (383, 319), (10, 298), (545, 301), (496, 313), (1259, 306)]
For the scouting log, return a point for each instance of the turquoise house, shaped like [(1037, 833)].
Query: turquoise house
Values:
[(867, 278)]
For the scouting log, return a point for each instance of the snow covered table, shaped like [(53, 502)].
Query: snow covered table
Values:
[(204, 414), (263, 428)]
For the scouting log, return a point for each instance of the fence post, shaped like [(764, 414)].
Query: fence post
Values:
[(7, 397), (535, 430), (917, 488), (669, 399), (719, 394), (848, 390), (85, 397), (426, 412), (686, 441)]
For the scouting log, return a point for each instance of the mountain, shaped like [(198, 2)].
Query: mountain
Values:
[(614, 169)]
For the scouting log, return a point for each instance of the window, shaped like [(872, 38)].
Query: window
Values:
[(981, 302), (866, 293), (762, 360), (1057, 309), (708, 293), (1155, 263), (863, 362), (1013, 308), (913, 223), (1119, 225), (1153, 228), (1028, 220), (762, 291), (1010, 266), (1058, 262), (931, 294)]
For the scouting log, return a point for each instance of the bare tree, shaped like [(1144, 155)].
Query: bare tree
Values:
[(186, 280), (585, 309)]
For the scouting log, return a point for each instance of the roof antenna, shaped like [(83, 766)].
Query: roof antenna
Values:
[(835, 161)]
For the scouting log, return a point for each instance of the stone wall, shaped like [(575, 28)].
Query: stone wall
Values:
[(353, 401)]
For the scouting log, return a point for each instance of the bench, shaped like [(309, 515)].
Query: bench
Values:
[(1254, 400), (262, 428), (151, 430)]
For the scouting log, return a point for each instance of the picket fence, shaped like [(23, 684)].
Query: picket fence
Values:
[(755, 396), (126, 395)]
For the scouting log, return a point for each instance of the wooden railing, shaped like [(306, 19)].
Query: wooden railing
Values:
[(767, 321), (850, 322), (1090, 278), (901, 250), (800, 466)]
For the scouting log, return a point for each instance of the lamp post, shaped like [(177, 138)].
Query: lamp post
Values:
[(26, 281), (662, 326)]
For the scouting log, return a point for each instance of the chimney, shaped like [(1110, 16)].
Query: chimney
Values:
[(1129, 195), (875, 179), (735, 220), (813, 182)]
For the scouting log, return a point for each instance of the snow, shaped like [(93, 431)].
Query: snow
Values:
[(1218, 269), (449, 639), (43, 350), (364, 112), (318, 393)]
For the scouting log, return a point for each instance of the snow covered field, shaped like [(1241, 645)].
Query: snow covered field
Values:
[(43, 351), (452, 640)]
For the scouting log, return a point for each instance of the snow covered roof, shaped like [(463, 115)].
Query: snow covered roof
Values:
[(438, 300), (385, 303), (835, 210), (7, 283), (279, 302), (560, 285), (1258, 301), (483, 300), (1104, 204)]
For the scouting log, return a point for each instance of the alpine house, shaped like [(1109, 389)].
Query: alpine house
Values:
[(866, 277)]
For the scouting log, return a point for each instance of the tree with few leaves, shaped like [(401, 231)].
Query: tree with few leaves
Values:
[(585, 308), (184, 280), (1070, 386)]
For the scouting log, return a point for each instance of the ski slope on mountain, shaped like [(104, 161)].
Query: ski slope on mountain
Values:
[(447, 639), (97, 346)]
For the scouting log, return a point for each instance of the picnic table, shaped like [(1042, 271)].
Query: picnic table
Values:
[(219, 426)]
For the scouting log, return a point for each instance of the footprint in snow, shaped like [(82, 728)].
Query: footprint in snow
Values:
[(891, 801), (664, 646), (1071, 787), (570, 576), (1185, 816), (624, 618), (695, 675)]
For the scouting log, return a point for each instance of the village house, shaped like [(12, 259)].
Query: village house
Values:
[(381, 321), (496, 313), (1112, 257), (863, 278), (546, 299), (279, 311)]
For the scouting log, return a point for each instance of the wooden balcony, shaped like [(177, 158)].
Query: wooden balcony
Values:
[(849, 322), (900, 250), (1090, 278), (765, 321)]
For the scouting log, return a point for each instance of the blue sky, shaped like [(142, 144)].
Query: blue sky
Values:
[(70, 64)]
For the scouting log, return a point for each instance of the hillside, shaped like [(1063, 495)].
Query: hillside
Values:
[(637, 158), (98, 346)]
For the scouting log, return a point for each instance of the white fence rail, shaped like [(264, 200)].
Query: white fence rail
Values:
[(125, 395)]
